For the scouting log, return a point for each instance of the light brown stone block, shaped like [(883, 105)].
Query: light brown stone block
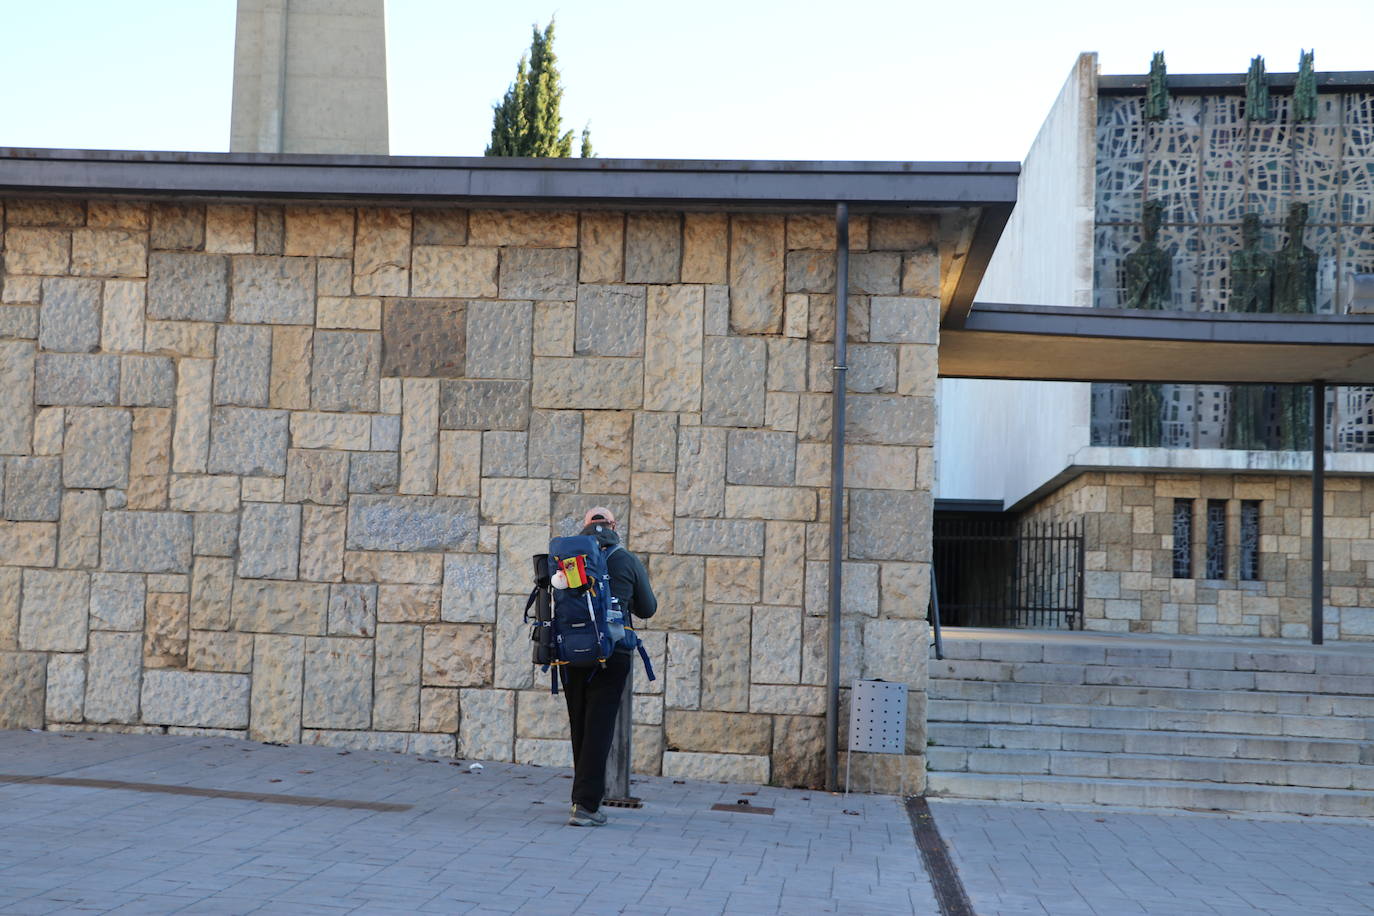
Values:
[(408, 603), (732, 580), (211, 650), (442, 271), (109, 253), (798, 752), (439, 709), (275, 703), (166, 631), (725, 657), (381, 258), (229, 229), (651, 512), (289, 384), (602, 250), (678, 583), (606, 451), (756, 273), (523, 228), (457, 655), (150, 458), (195, 339), (117, 214), (704, 247), (396, 703), (45, 252), (79, 532), (322, 543), (673, 348), (394, 567), (323, 231), (717, 732)]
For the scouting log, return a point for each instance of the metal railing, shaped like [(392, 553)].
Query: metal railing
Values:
[(998, 573)]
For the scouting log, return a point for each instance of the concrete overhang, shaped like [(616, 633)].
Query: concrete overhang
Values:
[(973, 199), (1053, 343)]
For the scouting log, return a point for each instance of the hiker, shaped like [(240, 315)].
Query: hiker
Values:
[(593, 695)]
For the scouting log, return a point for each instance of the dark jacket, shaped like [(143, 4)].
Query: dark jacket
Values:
[(629, 578)]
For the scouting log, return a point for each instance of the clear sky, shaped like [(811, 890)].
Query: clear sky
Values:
[(727, 79)]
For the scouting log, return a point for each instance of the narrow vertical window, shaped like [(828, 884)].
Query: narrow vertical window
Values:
[(1249, 539), (1183, 539), (1216, 539)]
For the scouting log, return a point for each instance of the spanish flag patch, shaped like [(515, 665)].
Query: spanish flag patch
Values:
[(575, 568)]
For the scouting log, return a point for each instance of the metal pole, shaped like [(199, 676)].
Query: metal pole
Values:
[(1318, 507), (838, 384), (618, 766)]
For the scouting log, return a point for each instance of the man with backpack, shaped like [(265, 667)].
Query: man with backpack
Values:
[(593, 693)]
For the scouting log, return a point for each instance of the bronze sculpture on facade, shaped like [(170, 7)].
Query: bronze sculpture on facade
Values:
[(1305, 89), (1157, 95), (1148, 285), (1257, 92), (1252, 290)]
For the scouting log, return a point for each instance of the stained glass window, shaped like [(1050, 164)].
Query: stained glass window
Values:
[(1216, 539), (1183, 539), (1249, 539)]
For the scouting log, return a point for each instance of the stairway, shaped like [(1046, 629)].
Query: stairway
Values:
[(1153, 722)]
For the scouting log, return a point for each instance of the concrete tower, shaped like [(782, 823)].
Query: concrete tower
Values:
[(309, 77)]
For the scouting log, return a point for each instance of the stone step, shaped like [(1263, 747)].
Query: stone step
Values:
[(1149, 766), (1134, 741), (1302, 704), (1143, 793), (1087, 650), (1350, 728), (1352, 683)]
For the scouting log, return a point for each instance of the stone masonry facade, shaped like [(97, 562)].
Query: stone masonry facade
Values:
[(277, 472), (1130, 576)]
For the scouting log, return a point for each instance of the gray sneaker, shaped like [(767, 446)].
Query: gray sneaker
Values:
[(581, 817)]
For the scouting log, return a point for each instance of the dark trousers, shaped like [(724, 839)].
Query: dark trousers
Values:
[(593, 704)]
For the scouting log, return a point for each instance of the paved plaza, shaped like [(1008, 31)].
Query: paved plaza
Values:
[(186, 824)]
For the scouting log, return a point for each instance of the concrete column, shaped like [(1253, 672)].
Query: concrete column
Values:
[(310, 77)]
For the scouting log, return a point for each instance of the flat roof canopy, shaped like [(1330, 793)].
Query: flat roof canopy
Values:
[(1054, 343)]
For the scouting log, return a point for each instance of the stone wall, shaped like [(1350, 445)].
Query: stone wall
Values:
[(1129, 549), (277, 472)]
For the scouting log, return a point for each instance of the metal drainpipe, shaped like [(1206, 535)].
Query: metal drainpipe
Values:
[(838, 384), (1318, 508)]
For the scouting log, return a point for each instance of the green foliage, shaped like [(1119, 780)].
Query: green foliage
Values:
[(527, 122)]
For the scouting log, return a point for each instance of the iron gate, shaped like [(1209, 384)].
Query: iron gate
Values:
[(997, 573)]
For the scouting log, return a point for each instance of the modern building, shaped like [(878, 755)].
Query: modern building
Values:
[(1193, 501)]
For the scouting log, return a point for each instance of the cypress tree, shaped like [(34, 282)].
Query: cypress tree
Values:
[(528, 120)]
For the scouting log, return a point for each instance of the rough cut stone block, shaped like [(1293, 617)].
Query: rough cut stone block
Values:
[(37, 251), (701, 471), (746, 769), (22, 679), (338, 682), (66, 688), (469, 594), (610, 320), (396, 677), (412, 523), (348, 432), (588, 383), (322, 543), (33, 489), (114, 669), (346, 370), (270, 230), (810, 271), (289, 385), (460, 463), (606, 444), (484, 404), (29, 543), (278, 664), (212, 585), (895, 319), (155, 542), (381, 254), (271, 290), (498, 339), (655, 442), (602, 247), (419, 436), (446, 271), (323, 231), (538, 273), (756, 273), (794, 503), (116, 601), (97, 453), (877, 273), (269, 541), (653, 247), (515, 501), (248, 442), (787, 364), (221, 652), (16, 406), (70, 317), (761, 458), (732, 580), (19, 322), (651, 515), (880, 467), (719, 537), (673, 361), (147, 381), (73, 379), (517, 544), (191, 435), (243, 365), (798, 754), (734, 371), (198, 699), (725, 657), (116, 214), (167, 630), (109, 253), (52, 617), (785, 543), (555, 442), (487, 730), (299, 608), (216, 535), (554, 327), (178, 226), (418, 568), (524, 228), (423, 338), (317, 476), (353, 313), (79, 536), (457, 655), (440, 226), (187, 287), (717, 732), (872, 368), (352, 610), (889, 525), (775, 649), (890, 420), (503, 454), (229, 229), (704, 247), (886, 650)]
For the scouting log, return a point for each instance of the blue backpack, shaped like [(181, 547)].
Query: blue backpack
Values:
[(578, 622)]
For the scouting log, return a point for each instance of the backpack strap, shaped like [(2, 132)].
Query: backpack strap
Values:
[(534, 596), (612, 549)]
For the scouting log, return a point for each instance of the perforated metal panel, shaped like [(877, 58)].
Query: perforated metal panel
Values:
[(877, 717)]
